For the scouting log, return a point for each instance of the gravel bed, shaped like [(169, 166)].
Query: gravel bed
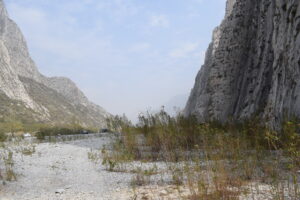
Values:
[(63, 171)]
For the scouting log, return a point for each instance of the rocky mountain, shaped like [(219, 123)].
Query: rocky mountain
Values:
[(252, 66), (27, 92)]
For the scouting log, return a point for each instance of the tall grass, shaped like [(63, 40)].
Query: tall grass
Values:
[(233, 156)]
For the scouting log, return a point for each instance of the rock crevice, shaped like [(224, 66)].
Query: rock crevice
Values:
[(252, 65)]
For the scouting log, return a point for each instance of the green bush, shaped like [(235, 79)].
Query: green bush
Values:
[(3, 137), (56, 130)]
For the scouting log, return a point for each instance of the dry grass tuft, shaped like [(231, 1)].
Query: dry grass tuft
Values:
[(220, 161)]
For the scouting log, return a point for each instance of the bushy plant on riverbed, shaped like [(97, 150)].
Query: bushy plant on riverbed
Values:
[(62, 130), (233, 156)]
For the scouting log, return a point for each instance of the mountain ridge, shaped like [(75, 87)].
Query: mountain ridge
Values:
[(18, 72)]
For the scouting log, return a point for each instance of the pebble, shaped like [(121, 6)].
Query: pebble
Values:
[(68, 187), (59, 191), (163, 193)]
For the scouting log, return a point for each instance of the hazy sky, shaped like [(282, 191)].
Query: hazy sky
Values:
[(126, 55)]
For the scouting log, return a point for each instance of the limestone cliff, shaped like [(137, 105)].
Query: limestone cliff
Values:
[(252, 66), (49, 100)]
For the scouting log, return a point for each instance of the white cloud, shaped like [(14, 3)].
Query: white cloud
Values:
[(63, 39), (159, 21), (139, 47), (198, 1), (184, 50), (118, 9), (33, 15)]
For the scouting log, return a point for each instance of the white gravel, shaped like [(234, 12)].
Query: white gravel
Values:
[(63, 171)]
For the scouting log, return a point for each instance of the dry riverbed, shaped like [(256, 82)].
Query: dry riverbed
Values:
[(62, 171), (70, 170)]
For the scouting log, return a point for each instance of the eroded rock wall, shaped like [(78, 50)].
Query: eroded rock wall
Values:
[(252, 65)]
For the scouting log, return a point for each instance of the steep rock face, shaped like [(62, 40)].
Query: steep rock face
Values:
[(21, 82), (252, 67), (9, 82)]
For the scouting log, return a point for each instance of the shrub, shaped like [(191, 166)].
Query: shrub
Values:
[(233, 155), (3, 137), (60, 130)]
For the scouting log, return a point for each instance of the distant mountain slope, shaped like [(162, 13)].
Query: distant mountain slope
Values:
[(49, 100), (14, 109)]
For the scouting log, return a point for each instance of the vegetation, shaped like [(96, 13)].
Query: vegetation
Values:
[(15, 127), (2, 136), (61, 130), (219, 161), (7, 159), (28, 150)]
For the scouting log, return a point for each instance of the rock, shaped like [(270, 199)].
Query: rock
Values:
[(68, 187), (22, 85), (163, 193), (27, 135), (59, 191), (252, 65)]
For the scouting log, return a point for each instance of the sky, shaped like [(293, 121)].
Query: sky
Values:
[(127, 56)]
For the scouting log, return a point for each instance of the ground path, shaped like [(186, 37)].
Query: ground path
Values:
[(64, 168)]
